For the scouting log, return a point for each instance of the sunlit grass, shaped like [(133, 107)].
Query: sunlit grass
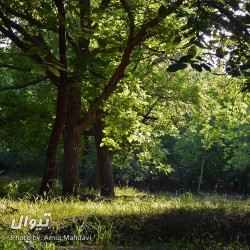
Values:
[(130, 208), (134, 203)]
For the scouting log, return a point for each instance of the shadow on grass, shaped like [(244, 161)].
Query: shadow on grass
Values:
[(208, 225)]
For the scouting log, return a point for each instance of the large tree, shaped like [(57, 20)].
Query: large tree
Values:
[(79, 46)]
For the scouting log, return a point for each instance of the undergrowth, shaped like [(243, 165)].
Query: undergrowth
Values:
[(131, 220)]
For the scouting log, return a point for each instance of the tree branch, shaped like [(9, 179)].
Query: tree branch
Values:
[(229, 15), (23, 16), (147, 115), (8, 66), (106, 51), (10, 34), (119, 72), (24, 47), (131, 19), (77, 49), (21, 86), (11, 24), (62, 38), (104, 4)]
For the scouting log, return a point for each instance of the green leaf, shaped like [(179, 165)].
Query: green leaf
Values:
[(54, 71), (46, 6), (85, 22), (102, 43), (246, 19), (80, 5), (52, 21), (186, 58), (35, 49), (192, 50), (82, 64), (246, 88), (176, 67), (39, 69), (191, 21), (61, 67), (245, 66), (97, 11), (95, 19), (196, 67), (43, 52), (206, 67), (199, 44), (235, 73), (177, 40), (162, 11), (99, 62), (86, 35), (248, 7), (234, 4), (220, 52), (95, 73)]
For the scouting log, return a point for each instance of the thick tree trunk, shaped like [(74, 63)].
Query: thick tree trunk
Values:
[(71, 138), (70, 163), (50, 165), (103, 155), (94, 180), (61, 83)]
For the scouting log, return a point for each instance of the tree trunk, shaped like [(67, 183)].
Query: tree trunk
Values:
[(103, 155), (71, 138), (94, 180), (150, 183), (245, 184), (62, 89), (202, 170), (50, 166), (70, 163)]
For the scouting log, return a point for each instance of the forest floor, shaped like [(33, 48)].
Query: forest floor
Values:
[(131, 220)]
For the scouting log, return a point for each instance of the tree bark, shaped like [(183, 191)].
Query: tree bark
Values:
[(75, 126), (103, 156), (50, 165), (202, 170), (245, 183), (70, 163), (61, 83), (94, 180), (71, 138)]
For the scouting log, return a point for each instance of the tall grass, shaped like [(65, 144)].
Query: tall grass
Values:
[(134, 220)]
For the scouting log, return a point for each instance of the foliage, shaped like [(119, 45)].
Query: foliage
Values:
[(78, 47)]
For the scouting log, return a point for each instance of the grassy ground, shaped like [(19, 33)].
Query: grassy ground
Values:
[(132, 220)]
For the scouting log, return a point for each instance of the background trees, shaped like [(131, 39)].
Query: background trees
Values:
[(91, 51)]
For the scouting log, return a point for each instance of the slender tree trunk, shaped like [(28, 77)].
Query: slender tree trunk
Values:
[(202, 170), (150, 183), (50, 165), (71, 138), (245, 184), (103, 155)]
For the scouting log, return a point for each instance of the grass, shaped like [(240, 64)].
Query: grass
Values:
[(132, 220)]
